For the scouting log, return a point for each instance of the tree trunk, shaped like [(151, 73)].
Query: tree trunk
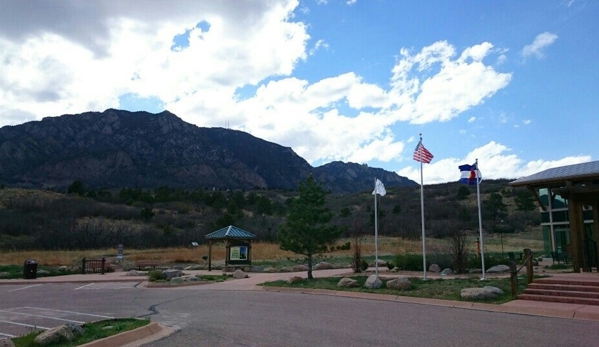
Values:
[(310, 267)]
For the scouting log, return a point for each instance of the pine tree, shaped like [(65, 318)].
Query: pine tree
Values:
[(306, 231)]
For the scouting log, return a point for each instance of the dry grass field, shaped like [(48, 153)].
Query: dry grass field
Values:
[(272, 252)]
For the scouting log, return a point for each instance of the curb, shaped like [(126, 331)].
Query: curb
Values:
[(135, 337), (579, 314)]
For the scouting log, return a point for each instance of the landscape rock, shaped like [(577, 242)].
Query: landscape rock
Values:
[(487, 292), (136, 273), (285, 269), (177, 280), (446, 272), (323, 266), (240, 274), (257, 269), (347, 282), (434, 268), (475, 271), (300, 267), (402, 283), (177, 267), (271, 270), (54, 335), (295, 279), (5, 342), (63, 268), (373, 282), (4, 274), (499, 269), (380, 262), (171, 273), (43, 272)]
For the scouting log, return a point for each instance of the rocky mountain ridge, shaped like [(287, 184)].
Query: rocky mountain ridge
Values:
[(118, 148)]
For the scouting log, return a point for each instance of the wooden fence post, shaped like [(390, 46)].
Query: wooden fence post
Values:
[(529, 269)]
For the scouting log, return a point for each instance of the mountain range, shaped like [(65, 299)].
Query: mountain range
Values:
[(116, 149)]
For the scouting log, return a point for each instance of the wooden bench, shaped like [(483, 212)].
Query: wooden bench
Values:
[(146, 263)]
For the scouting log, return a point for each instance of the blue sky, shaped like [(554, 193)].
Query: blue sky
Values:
[(514, 84)]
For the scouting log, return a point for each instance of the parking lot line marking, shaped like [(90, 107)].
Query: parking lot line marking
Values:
[(87, 285), (41, 316), (7, 335), (24, 325), (14, 290), (73, 312)]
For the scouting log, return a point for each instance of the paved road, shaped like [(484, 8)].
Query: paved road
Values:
[(208, 316)]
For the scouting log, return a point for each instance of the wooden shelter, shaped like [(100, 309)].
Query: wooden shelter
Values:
[(578, 186), (238, 243)]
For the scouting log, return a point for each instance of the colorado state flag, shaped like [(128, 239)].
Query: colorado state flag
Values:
[(470, 174)]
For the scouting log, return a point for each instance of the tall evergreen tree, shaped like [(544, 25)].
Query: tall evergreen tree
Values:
[(307, 231)]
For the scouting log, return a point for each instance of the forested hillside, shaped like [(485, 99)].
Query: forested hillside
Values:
[(161, 217)]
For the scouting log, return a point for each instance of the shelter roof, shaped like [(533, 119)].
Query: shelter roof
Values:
[(561, 174), (230, 232)]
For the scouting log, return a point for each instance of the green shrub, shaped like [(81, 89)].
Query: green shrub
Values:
[(390, 265), (491, 259), (156, 275), (408, 262), (364, 265)]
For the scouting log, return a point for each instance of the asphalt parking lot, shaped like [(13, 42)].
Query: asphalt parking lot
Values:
[(20, 320)]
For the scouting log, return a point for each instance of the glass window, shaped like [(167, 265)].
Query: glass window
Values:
[(560, 216), (543, 195), (587, 215), (544, 217), (557, 201), (547, 239)]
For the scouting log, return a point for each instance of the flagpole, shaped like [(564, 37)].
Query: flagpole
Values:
[(376, 233), (480, 221), (422, 220)]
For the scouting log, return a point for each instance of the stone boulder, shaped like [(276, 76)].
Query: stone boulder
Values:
[(43, 272), (323, 266), (271, 270), (499, 269), (402, 283), (381, 263), (171, 273), (487, 292), (347, 282), (446, 272), (56, 334), (434, 268), (373, 282), (63, 268), (4, 274), (300, 267), (240, 274), (6, 342), (136, 273), (295, 279)]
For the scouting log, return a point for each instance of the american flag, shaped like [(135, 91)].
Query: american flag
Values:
[(421, 154)]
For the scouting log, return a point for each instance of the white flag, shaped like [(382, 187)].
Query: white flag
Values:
[(379, 188)]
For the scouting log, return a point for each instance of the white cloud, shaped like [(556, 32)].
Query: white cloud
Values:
[(471, 119), (351, 2), (536, 48), (459, 84), (119, 50), (527, 121), (495, 162)]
